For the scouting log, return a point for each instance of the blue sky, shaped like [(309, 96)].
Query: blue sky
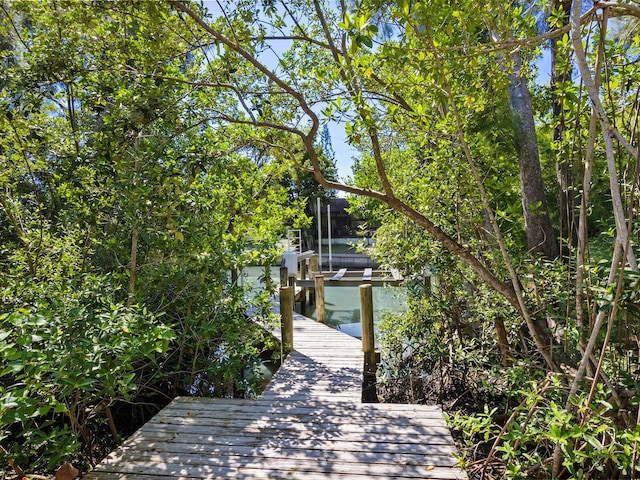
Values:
[(344, 152)]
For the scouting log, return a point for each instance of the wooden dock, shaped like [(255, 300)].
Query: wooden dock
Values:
[(308, 424)]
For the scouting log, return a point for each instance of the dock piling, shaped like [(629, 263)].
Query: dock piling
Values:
[(303, 269), (303, 293), (308, 423), (320, 308), (286, 318), (313, 268), (313, 263), (369, 394)]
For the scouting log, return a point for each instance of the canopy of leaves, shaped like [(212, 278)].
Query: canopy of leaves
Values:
[(124, 207), (149, 150)]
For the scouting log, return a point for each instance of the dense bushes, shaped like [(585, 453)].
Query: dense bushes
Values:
[(67, 358), (124, 208), (511, 417)]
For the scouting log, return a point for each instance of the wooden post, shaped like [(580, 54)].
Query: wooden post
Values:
[(303, 270), (284, 276), (369, 394), (313, 263), (234, 276), (286, 318), (303, 293), (320, 311), (313, 268), (366, 317)]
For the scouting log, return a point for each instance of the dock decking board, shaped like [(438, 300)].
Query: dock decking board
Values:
[(339, 275), (396, 275), (308, 424), (352, 278), (366, 276)]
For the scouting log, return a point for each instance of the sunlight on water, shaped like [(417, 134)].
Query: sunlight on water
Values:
[(342, 303)]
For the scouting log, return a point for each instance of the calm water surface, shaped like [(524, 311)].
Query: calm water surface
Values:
[(342, 303)]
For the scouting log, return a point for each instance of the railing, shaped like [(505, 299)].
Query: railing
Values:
[(294, 240)]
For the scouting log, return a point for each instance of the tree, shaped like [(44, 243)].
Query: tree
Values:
[(123, 209), (540, 235), (412, 99), (145, 153), (560, 85), (303, 186), (371, 102), (541, 238)]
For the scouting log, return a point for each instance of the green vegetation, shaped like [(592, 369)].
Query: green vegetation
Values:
[(149, 150), (124, 212)]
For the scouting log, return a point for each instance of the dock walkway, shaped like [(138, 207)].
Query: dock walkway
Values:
[(308, 424)]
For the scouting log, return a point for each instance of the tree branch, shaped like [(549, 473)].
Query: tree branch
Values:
[(255, 63), (386, 196), (620, 9)]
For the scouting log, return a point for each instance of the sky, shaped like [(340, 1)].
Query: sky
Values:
[(344, 152)]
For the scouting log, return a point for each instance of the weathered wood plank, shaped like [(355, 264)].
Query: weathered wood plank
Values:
[(257, 475), (183, 405), (277, 424), (339, 275), (159, 440), (184, 453), (366, 276), (353, 282), (215, 418), (308, 424), (306, 255), (396, 275), (214, 467), (247, 474), (437, 438)]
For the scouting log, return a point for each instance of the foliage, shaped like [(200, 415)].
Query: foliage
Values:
[(305, 189), (420, 367), (422, 90), (72, 354), (150, 150), (124, 209), (594, 444), (445, 349)]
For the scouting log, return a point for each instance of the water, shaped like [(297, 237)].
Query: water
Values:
[(253, 279), (342, 304)]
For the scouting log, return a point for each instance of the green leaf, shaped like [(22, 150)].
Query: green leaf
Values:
[(364, 40), (12, 368)]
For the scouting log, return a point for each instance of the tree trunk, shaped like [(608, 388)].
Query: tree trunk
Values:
[(541, 238), (133, 266), (564, 171), (510, 291)]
